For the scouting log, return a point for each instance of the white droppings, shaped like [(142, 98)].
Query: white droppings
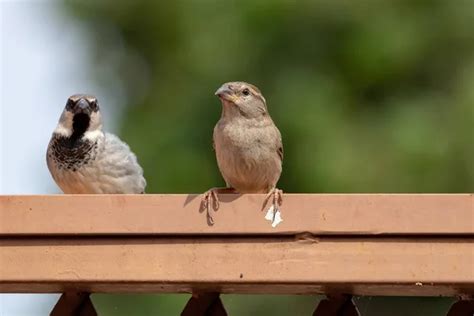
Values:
[(274, 216)]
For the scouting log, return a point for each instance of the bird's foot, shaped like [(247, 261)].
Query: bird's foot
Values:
[(273, 213), (210, 201)]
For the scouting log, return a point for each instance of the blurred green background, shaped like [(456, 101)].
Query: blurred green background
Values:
[(370, 96)]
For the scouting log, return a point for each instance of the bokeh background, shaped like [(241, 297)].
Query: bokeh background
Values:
[(370, 96)]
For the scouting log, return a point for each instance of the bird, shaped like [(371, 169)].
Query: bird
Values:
[(248, 146), (83, 159)]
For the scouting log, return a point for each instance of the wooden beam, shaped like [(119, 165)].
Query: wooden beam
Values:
[(364, 244), (363, 266), (74, 304), (319, 214)]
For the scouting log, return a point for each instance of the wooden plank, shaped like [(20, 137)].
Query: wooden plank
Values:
[(320, 214), (367, 266)]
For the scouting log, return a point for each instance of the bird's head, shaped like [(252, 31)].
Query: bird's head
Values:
[(80, 118), (241, 99)]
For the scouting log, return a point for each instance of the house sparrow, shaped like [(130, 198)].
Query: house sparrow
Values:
[(84, 159), (248, 145)]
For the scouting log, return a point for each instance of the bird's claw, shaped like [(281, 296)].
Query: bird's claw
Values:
[(209, 201)]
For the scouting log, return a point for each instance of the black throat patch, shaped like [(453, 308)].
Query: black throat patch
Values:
[(80, 124)]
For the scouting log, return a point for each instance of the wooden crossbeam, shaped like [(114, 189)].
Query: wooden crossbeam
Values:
[(178, 214), (252, 265)]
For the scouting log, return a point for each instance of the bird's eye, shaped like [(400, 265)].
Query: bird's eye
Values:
[(246, 91), (69, 104)]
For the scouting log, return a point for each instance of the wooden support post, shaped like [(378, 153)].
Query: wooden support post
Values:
[(463, 307), (74, 304), (336, 305), (204, 304)]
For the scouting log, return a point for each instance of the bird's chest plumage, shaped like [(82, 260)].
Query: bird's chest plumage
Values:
[(72, 155), (246, 156), (75, 165)]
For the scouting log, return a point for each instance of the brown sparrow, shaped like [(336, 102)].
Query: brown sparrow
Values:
[(248, 145)]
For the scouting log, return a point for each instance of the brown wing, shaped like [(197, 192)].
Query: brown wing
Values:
[(279, 144)]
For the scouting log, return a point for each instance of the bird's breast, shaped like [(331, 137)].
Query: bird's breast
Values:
[(247, 158), (73, 164), (72, 154)]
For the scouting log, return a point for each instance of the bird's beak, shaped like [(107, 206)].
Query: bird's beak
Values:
[(82, 106), (225, 93)]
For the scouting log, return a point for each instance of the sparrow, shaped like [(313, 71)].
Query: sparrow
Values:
[(248, 146), (84, 160)]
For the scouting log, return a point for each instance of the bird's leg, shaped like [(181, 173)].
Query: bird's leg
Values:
[(277, 197), (210, 201)]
